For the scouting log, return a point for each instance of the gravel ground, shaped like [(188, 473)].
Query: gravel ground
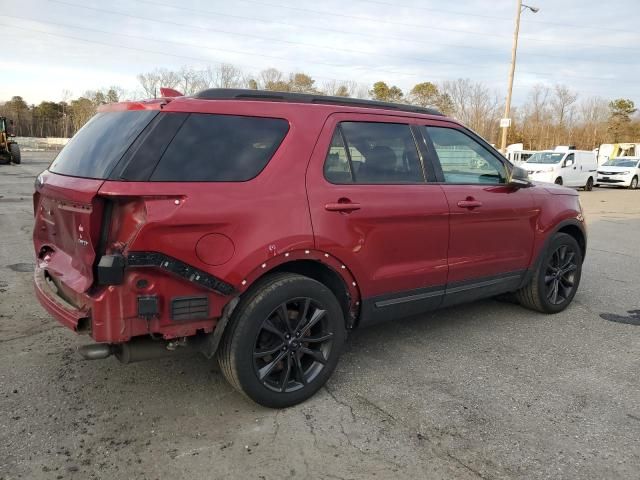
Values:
[(486, 390)]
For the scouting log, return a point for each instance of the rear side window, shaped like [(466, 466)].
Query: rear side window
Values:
[(373, 153), (99, 145), (220, 148)]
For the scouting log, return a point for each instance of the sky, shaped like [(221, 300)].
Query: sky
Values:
[(58, 48)]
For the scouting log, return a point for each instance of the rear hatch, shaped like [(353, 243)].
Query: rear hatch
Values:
[(68, 211)]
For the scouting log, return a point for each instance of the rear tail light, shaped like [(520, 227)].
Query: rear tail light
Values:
[(123, 219)]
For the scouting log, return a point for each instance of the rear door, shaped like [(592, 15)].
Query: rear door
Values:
[(492, 224), (372, 208)]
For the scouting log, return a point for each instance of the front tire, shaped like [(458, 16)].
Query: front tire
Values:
[(284, 340), (634, 183), (558, 181), (589, 186), (556, 278), (16, 156)]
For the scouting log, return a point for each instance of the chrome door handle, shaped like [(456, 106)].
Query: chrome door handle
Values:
[(469, 204), (342, 207)]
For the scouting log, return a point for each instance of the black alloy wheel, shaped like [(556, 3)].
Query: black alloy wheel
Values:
[(283, 341), (556, 277), (293, 345), (560, 275)]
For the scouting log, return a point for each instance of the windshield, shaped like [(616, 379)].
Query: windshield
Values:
[(546, 157), (621, 162), (99, 145)]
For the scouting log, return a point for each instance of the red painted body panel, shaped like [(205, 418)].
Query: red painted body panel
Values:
[(397, 240), (493, 238), (403, 237)]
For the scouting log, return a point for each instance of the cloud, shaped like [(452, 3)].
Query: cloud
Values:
[(73, 45)]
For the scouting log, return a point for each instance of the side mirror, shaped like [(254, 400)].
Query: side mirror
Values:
[(519, 177), (568, 162)]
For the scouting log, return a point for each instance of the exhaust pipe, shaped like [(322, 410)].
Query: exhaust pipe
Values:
[(135, 350), (95, 351)]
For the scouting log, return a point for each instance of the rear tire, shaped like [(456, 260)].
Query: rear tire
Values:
[(556, 278), (634, 183), (16, 156), (558, 181), (589, 186), (263, 353)]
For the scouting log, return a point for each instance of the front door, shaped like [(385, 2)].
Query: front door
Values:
[(372, 208), (492, 224)]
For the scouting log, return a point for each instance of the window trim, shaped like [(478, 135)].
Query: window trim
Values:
[(347, 151), (338, 127), (465, 131)]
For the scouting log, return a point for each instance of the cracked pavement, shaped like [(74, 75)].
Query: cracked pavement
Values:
[(485, 390)]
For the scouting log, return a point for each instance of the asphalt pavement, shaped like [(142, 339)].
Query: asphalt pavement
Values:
[(486, 390)]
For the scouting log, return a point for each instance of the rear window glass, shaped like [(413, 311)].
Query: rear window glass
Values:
[(100, 144), (220, 148)]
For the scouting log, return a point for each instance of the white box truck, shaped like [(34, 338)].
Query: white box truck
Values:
[(563, 166)]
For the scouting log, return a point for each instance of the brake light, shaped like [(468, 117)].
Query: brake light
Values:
[(123, 219)]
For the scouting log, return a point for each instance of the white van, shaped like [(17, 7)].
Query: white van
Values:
[(563, 166)]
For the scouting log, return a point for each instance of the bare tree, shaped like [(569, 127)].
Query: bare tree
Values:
[(474, 104), (594, 114), (563, 102), (536, 118), (150, 83), (224, 75), (271, 78)]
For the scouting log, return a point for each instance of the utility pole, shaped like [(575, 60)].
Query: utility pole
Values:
[(505, 123)]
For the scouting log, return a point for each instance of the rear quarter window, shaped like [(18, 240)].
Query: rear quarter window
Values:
[(220, 148), (99, 145)]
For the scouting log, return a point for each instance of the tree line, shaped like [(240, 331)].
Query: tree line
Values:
[(551, 115)]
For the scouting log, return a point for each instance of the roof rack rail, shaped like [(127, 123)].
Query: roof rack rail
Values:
[(271, 96)]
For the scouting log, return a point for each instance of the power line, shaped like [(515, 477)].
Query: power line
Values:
[(342, 32), (360, 52), (192, 58), (155, 52), (413, 25), (494, 17), (156, 40), (259, 37), (184, 57)]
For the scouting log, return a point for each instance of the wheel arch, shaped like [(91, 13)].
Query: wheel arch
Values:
[(572, 227), (320, 266), (577, 232)]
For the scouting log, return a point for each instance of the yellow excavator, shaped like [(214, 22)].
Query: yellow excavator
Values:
[(9, 149)]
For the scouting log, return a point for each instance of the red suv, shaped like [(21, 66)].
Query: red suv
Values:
[(260, 227)]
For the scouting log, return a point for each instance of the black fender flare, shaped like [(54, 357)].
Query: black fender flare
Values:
[(574, 222)]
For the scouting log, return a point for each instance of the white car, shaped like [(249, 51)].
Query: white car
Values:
[(622, 172)]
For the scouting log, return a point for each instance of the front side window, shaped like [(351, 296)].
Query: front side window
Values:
[(220, 148), (570, 160), (464, 160), (373, 153)]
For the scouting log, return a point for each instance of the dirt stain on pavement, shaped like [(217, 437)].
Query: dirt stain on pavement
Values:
[(21, 267), (632, 319)]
